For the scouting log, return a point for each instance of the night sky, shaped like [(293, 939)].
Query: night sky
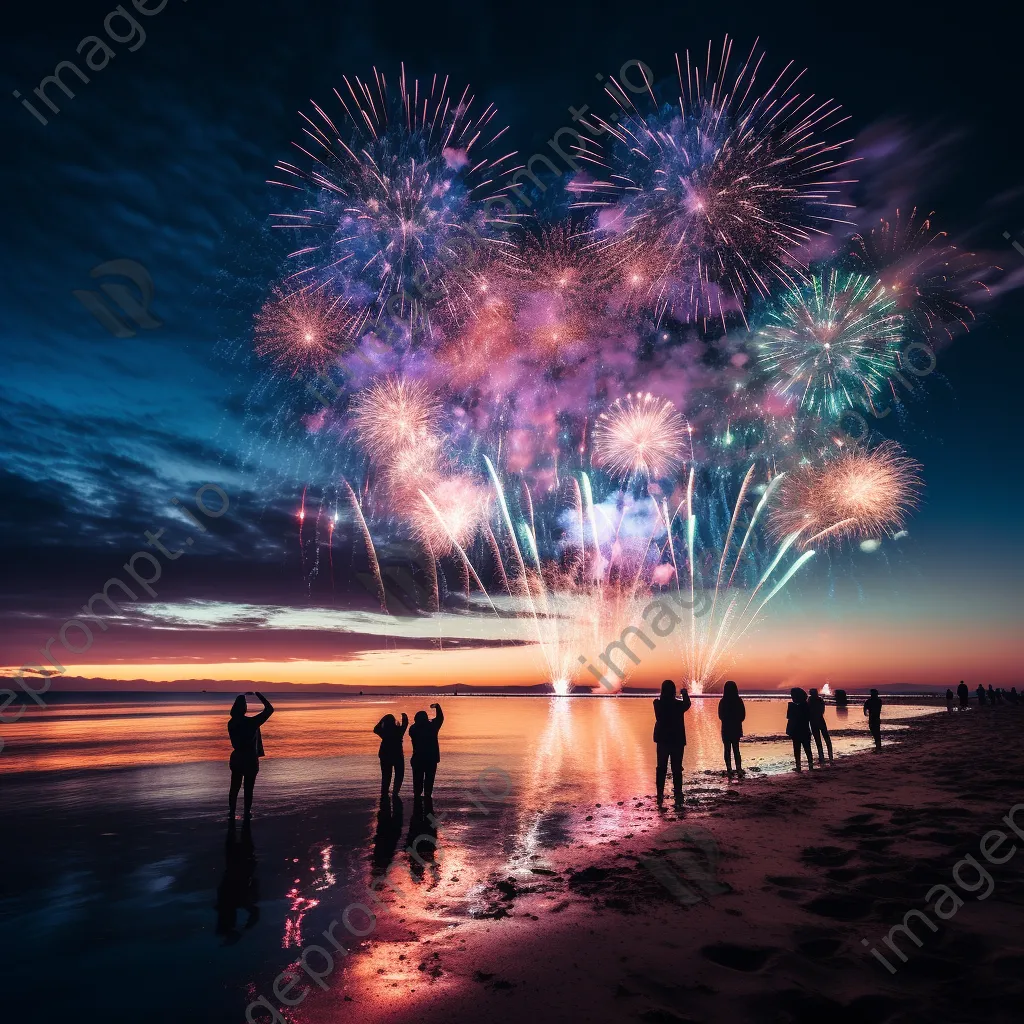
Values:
[(163, 158)]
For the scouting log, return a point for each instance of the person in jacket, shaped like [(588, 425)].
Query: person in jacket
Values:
[(873, 710), (246, 749), (731, 714), (819, 730), (670, 738), (391, 754), (426, 752), (798, 725), (963, 694)]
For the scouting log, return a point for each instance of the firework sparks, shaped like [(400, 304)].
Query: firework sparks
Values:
[(731, 181), (304, 330), (857, 495), (832, 344), (395, 419), (641, 436), (394, 188), (923, 271)]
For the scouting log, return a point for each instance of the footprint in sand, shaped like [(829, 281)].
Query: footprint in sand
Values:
[(739, 958)]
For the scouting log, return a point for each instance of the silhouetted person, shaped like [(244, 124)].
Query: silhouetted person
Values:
[(798, 725), (391, 754), (1013, 697), (239, 887), (819, 730), (426, 753), (949, 701), (731, 713), (389, 831), (670, 737), (873, 709), (246, 749), (963, 694), (981, 694), (991, 695)]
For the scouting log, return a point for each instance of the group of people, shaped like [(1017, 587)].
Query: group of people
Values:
[(247, 749), (961, 700), (805, 720)]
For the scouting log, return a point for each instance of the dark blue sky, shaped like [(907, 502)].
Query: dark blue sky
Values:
[(163, 156)]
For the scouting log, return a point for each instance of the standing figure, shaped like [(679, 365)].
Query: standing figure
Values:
[(391, 754), (873, 709), (798, 725), (991, 695), (819, 730), (963, 694), (949, 701), (426, 753), (246, 749), (731, 713), (670, 738), (981, 694)]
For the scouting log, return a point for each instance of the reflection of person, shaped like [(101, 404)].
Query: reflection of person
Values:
[(246, 749), (963, 694), (389, 831), (731, 713), (426, 752), (239, 888), (819, 730), (391, 754), (670, 737), (798, 725), (873, 709)]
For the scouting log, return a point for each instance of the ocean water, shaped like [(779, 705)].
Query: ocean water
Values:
[(117, 847)]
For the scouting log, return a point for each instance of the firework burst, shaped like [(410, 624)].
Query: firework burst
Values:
[(305, 329), (400, 185), (832, 344), (641, 436), (396, 420), (923, 271), (731, 181), (857, 495)]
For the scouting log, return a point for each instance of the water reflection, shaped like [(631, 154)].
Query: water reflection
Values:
[(239, 887)]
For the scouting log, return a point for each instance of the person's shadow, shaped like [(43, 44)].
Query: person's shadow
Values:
[(239, 886), (389, 832), (422, 839)]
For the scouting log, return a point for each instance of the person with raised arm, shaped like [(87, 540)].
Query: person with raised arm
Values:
[(426, 752), (670, 739), (246, 749)]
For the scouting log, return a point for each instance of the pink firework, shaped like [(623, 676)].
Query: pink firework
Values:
[(857, 495), (643, 436), (448, 512), (394, 418), (927, 276), (304, 330)]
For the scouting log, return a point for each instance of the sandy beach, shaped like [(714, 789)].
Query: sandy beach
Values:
[(807, 868)]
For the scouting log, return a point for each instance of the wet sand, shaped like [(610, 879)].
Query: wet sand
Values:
[(807, 867)]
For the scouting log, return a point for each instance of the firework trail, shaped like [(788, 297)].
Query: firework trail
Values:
[(721, 610), (726, 181), (856, 495), (371, 552), (832, 344)]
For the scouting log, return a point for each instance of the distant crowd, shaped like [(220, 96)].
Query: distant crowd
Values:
[(961, 700)]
